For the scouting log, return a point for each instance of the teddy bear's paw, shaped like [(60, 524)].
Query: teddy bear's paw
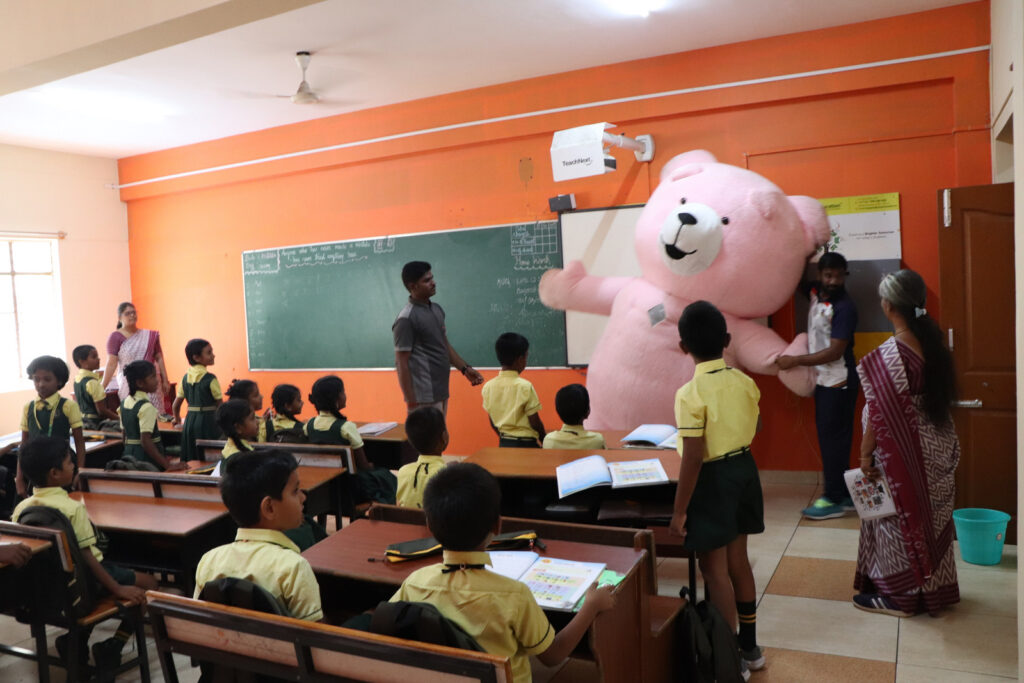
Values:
[(556, 284)]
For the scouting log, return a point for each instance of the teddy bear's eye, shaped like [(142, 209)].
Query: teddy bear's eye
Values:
[(725, 220), (682, 200)]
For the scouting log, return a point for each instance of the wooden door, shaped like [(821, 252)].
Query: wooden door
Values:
[(976, 287)]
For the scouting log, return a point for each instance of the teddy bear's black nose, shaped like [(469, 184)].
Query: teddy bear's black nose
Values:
[(687, 219)]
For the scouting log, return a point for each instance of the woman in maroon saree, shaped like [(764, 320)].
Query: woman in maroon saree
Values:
[(905, 562)]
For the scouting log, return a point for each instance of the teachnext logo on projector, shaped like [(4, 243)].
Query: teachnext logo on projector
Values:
[(579, 152)]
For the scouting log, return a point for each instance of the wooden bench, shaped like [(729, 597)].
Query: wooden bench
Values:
[(298, 650), (660, 612), (51, 603), (150, 484), (308, 454)]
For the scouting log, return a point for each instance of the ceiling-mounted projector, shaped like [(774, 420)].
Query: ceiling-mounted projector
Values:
[(580, 152)]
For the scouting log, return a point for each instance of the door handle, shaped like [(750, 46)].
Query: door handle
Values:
[(973, 403)]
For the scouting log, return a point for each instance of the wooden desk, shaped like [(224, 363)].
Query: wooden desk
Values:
[(159, 534), (346, 577), (540, 463), (35, 545)]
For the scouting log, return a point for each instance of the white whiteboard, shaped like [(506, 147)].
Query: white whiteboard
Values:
[(603, 240)]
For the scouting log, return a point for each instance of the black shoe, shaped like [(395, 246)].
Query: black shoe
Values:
[(107, 654), (83, 652)]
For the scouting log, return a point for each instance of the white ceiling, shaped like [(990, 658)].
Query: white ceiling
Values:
[(369, 53)]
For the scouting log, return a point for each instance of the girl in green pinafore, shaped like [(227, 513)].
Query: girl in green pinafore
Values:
[(331, 427), (138, 417), (202, 391)]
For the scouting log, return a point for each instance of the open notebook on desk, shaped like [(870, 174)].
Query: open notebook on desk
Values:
[(556, 584), (651, 436), (594, 470)]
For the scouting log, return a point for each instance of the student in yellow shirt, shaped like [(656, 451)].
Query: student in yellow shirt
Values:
[(261, 492), (462, 504), (247, 390), (573, 405), (429, 436), (718, 499), (46, 461), (238, 422), (138, 418), (200, 388), (50, 414), (510, 401), (89, 393), (285, 426)]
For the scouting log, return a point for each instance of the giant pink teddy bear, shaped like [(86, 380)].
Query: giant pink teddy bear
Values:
[(710, 231)]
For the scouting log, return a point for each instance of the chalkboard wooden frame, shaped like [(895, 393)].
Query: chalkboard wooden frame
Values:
[(288, 287)]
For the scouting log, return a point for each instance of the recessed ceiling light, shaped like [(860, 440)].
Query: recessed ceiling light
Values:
[(634, 8), (108, 106)]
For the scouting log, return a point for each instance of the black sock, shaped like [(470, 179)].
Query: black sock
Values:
[(747, 614)]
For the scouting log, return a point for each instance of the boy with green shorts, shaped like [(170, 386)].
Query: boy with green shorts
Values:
[(718, 499)]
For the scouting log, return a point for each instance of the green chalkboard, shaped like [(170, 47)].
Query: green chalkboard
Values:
[(331, 306)]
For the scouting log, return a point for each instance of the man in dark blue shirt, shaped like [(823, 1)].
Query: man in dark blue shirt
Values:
[(831, 322)]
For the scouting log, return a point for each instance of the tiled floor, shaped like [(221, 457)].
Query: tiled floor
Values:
[(806, 623), (811, 632)]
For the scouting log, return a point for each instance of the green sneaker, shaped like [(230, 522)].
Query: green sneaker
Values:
[(823, 508)]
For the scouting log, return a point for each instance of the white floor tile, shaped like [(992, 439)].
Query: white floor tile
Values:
[(957, 640)]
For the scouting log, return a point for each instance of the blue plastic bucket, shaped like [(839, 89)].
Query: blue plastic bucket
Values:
[(981, 534)]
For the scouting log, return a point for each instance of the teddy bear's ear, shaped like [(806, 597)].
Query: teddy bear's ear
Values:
[(676, 166), (815, 220)]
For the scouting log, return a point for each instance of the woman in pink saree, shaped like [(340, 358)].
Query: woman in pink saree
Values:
[(127, 344), (905, 562)]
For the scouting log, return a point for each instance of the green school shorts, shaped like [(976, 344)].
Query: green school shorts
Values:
[(726, 502), (121, 575)]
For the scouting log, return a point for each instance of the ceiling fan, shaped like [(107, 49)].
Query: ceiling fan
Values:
[(304, 94)]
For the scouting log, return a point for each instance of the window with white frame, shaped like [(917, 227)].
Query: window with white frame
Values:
[(31, 314)]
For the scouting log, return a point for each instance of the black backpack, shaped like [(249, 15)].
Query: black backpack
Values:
[(420, 621), (706, 647), (79, 585), (247, 595)]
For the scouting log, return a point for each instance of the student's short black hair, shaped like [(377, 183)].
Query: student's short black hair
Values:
[(53, 364), (241, 388), (413, 271), (80, 353), (249, 477), (193, 348), (282, 395), (832, 259), (510, 346), (40, 455), (424, 427), (703, 330), (137, 371), (572, 403), (462, 503)]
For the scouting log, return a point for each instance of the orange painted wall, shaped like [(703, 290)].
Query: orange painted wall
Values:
[(910, 128)]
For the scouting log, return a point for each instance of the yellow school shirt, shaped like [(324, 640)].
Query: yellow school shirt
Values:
[(573, 436), (413, 477), (94, 387), (283, 422), (269, 559), (193, 375), (147, 413), (57, 498), (323, 421), (70, 410), (720, 404), (261, 433), (509, 401), (230, 448), (498, 612)]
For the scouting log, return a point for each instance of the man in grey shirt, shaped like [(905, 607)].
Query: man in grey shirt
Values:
[(423, 356)]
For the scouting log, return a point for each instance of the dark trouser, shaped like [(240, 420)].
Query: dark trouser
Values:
[(517, 442), (833, 415)]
